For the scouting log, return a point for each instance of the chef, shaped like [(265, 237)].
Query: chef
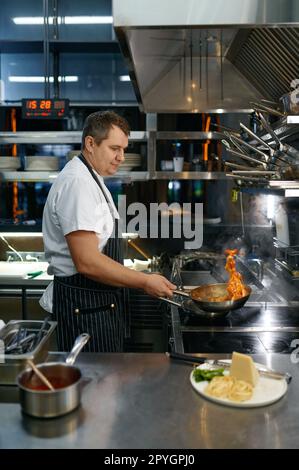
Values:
[(80, 228)]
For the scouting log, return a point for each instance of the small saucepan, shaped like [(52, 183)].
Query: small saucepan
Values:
[(200, 297), (37, 400)]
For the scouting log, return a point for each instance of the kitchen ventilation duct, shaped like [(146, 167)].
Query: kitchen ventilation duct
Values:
[(208, 55)]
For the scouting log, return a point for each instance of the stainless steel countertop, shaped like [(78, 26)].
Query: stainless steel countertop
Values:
[(22, 283), (146, 401)]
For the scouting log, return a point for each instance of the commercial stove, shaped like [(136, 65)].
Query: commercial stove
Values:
[(267, 322)]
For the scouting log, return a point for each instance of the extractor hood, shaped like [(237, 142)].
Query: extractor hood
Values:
[(208, 55)]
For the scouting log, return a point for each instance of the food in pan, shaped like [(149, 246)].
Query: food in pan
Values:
[(236, 289), (235, 286), (239, 384)]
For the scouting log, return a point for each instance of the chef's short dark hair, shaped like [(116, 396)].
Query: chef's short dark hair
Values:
[(98, 125)]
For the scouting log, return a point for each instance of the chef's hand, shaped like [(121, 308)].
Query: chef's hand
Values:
[(158, 286)]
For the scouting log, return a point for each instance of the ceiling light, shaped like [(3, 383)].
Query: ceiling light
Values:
[(39, 20), (25, 20), (124, 78), (88, 19), (40, 79)]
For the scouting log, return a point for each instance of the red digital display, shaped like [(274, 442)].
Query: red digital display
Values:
[(44, 109)]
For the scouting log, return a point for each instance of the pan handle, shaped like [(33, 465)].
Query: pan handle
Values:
[(181, 292), (172, 302)]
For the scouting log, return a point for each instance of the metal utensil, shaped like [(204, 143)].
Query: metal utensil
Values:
[(254, 172), (19, 346), (256, 137), (268, 128), (281, 147), (247, 158), (264, 371), (267, 109), (225, 128), (41, 331), (233, 140), (251, 179), (254, 149), (236, 165), (277, 153)]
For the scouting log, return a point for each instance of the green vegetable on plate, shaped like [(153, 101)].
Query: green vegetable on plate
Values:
[(204, 374)]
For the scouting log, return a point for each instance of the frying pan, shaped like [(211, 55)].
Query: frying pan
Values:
[(199, 295)]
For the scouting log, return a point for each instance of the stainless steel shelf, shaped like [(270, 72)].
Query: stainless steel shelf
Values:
[(189, 175), (131, 176), (49, 176), (59, 137), (200, 135), (29, 176)]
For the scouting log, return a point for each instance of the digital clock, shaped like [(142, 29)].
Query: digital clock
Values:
[(44, 109)]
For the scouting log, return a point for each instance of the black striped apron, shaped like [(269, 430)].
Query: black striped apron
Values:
[(83, 305)]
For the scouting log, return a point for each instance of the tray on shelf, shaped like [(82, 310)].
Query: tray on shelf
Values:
[(12, 364)]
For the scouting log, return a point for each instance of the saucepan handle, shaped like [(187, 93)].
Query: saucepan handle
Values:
[(78, 345)]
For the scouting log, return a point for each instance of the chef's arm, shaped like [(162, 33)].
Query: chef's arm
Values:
[(83, 246)]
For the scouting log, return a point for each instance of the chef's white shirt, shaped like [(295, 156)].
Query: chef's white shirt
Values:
[(75, 202)]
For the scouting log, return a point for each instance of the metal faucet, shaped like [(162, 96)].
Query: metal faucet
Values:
[(31, 258)]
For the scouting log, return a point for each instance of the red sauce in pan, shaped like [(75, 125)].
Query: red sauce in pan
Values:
[(57, 382)]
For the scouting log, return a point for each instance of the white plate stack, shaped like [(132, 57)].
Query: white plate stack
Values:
[(41, 163), (132, 160), (9, 163)]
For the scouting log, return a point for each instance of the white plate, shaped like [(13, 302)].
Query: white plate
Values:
[(266, 391)]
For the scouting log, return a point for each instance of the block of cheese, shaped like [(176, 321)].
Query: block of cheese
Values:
[(243, 368)]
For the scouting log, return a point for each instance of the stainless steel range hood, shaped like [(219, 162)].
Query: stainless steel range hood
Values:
[(208, 55)]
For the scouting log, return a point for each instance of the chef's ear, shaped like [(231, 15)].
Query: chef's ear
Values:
[(89, 143)]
